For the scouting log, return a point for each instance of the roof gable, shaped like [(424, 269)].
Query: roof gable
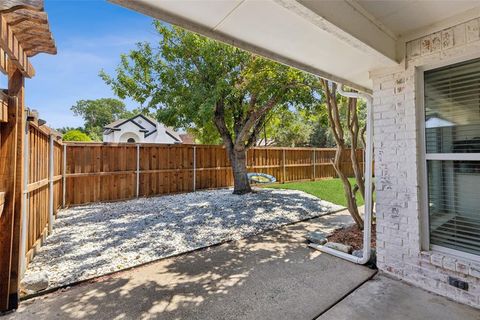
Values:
[(116, 126)]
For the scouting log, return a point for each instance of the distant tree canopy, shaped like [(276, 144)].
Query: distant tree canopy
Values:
[(98, 113), (288, 128), (76, 135), (64, 130), (194, 82)]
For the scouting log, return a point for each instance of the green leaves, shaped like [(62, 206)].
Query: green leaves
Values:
[(183, 76), (98, 113), (75, 135)]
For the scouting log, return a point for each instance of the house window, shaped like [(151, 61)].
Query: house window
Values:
[(452, 141), (131, 140)]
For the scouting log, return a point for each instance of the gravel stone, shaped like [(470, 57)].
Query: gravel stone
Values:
[(34, 282), (339, 246), (357, 253), (373, 256), (100, 238), (318, 237)]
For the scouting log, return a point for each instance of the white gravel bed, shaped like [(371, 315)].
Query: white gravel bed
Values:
[(97, 239)]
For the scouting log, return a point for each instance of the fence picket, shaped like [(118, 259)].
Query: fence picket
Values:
[(163, 169)]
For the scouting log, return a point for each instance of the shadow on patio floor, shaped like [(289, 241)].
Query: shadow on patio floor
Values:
[(269, 276), (101, 238)]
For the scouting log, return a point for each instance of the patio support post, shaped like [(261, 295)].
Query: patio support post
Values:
[(11, 182), (16, 88), (138, 172), (64, 175), (50, 187), (194, 168)]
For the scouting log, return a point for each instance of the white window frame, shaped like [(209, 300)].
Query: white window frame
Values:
[(424, 157)]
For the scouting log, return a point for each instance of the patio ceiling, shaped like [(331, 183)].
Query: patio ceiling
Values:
[(341, 40), (405, 17)]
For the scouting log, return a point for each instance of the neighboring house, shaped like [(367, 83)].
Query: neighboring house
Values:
[(140, 129), (417, 59), (187, 138)]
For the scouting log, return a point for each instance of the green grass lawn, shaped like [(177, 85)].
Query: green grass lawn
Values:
[(329, 190)]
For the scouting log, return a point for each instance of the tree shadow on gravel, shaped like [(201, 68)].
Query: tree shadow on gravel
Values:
[(101, 238)]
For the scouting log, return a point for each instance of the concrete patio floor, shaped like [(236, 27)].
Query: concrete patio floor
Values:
[(270, 276), (383, 298)]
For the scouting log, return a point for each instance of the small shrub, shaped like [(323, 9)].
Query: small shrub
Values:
[(76, 135)]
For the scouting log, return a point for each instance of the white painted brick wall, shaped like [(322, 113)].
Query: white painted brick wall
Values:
[(396, 142)]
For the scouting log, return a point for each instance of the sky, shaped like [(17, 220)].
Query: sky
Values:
[(90, 35)]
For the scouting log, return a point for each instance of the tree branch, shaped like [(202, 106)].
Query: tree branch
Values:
[(330, 106), (219, 119), (256, 130), (255, 115)]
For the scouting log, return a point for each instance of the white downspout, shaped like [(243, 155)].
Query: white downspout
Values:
[(368, 190)]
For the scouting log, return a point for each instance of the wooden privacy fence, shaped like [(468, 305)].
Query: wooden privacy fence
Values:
[(63, 174), (105, 172), (43, 187)]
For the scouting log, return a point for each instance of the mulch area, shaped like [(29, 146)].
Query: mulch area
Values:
[(352, 236)]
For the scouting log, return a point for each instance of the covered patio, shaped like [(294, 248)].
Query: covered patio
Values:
[(270, 276), (417, 60), (402, 56)]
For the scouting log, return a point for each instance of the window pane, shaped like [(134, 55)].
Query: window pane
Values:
[(452, 108), (454, 204)]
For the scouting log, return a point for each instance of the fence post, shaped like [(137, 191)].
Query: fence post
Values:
[(363, 159), (138, 171), (314, 164), (64, 175), (50, 187), (23, 233), (194, 168), (283, 164)]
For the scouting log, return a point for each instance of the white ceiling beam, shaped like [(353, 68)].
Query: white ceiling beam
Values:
[(348, 21)]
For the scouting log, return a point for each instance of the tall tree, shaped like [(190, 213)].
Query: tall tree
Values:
[(321, 136), (98, 113), (193, 81)]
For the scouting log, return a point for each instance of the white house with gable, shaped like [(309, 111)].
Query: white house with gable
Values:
[(139, 129)]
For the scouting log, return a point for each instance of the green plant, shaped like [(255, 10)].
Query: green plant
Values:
[(76, 135)]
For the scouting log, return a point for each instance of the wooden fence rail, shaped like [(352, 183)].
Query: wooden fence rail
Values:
[(106, 172)]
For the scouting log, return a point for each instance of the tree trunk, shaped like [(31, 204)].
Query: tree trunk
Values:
[(236, 154), (354, 128), (338, 134), (238, 159), (347, 187)]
